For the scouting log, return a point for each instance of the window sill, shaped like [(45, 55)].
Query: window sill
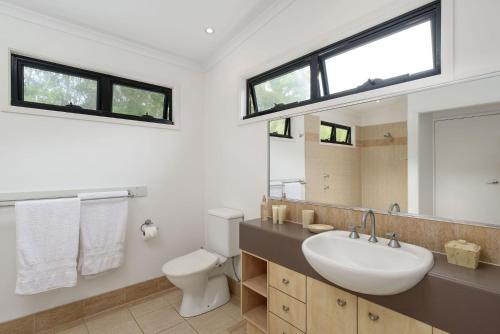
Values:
[(83, 117), (337, 144), (280, 136)]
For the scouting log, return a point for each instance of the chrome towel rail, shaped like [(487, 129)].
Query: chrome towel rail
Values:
[(9, 199)]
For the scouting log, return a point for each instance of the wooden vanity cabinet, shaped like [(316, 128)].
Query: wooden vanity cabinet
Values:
[(278, 300), (376, 319), (330, 310)]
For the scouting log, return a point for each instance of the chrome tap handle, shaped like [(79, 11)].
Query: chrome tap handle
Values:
[(394, 243), (354, 233)]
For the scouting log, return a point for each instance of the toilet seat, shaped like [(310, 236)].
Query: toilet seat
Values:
[(192, 263)]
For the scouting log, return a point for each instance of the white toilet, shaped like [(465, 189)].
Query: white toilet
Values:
[(197, 274)]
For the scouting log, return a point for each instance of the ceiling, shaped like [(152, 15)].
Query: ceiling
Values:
[(173, 26)]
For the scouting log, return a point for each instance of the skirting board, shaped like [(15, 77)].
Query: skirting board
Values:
[(61, 315)]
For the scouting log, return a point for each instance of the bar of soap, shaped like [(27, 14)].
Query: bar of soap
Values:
[(463, 253)]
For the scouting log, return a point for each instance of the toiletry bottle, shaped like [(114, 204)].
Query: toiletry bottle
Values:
[(263, 208)]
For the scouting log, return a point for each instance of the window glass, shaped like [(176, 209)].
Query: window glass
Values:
[(335, 133), (341, 135), (325, 132), (402, 49), (280, 127), (405, 52), (137, 102), (48, 87), (291, 87)]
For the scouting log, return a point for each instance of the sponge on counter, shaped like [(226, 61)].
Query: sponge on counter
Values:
[(463, 253)]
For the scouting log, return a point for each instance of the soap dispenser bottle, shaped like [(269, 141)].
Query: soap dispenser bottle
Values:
[(263, 208)]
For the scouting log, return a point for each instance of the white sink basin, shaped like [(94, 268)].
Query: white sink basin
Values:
[(365, 267)]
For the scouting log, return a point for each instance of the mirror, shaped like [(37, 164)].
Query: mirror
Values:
[(435, 153)]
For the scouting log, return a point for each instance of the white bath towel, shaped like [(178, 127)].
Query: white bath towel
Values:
[(47, 244), (103, 225)]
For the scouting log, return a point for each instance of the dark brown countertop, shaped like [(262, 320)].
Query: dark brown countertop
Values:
[(452, 298)]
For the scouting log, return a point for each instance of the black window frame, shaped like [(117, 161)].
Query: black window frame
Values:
[(316, 60), (288, 129), (105, 84), (333, 139)]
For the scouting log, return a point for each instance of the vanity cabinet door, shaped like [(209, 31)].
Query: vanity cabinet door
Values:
[(330, 310), (376, 319)]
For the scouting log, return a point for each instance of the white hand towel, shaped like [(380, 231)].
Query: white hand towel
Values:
[(47, 244), (103, 225)]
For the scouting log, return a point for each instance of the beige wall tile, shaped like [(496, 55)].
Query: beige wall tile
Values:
[(104, 301), (141, 290), (58, 316), (234, 288), (163, 283), (57, 319), (428, 233), (25, 325)]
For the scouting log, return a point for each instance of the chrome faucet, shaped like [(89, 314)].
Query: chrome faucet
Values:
[(354, 233), (394, 207), (370, 214)]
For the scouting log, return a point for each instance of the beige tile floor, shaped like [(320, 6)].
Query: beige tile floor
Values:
[(159, 314)]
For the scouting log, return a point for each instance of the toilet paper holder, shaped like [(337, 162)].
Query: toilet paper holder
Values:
[(148, 222)]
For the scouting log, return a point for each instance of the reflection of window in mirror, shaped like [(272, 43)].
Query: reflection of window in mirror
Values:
[(280, 128), (335, 133)]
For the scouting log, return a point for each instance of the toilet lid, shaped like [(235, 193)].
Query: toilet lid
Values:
[(191, 263)]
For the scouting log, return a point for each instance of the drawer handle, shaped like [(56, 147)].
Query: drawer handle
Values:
[(285, 308), (373, 317), (341, 302), (285, 281)]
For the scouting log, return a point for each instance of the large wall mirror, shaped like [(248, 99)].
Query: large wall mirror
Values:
[(435, 153)]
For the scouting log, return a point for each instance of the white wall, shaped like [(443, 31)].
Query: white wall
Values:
[(185, 169), (443, 102), (40, 152)]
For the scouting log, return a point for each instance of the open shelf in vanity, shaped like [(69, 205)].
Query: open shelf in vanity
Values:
[(254, 292)]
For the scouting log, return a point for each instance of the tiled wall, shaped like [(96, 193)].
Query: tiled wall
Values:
[(384, 170), (335, 166), (46, 320), (43, 322), (372, 173), (431, 234)]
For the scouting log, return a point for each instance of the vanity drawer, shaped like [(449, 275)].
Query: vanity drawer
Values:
[(278, 326), (290, 282), (287, 308)]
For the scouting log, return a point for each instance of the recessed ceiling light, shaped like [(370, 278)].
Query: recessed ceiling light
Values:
[(209, 30)]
